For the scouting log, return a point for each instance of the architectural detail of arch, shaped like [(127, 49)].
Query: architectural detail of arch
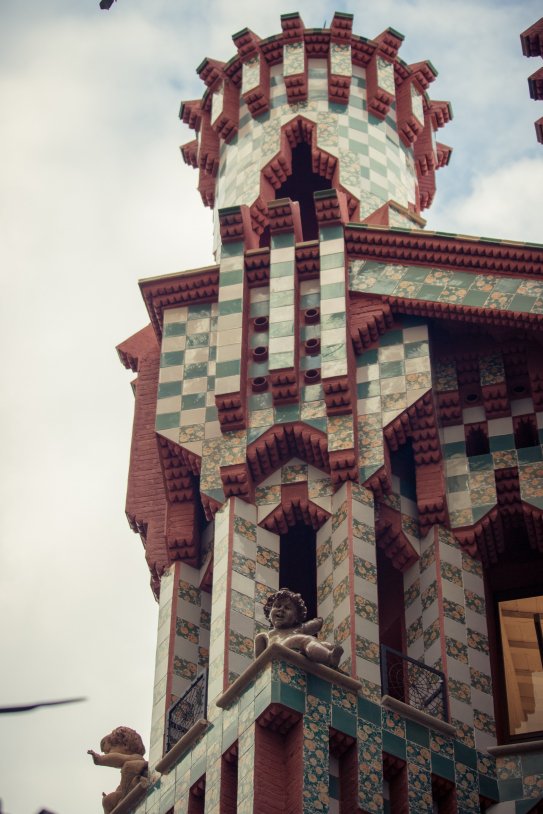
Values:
[(295, 507), (284, 441), (297, 131)]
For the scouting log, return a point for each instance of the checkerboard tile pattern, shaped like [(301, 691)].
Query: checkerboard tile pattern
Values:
[(161, 702), (230, 319), (374, 165), (442, 285), (192, 623), (389, 379), (186, 412), (470, 482), (245, 573), (332, 302), (219, 602), (282, 352), (347, 583), (446, 627)]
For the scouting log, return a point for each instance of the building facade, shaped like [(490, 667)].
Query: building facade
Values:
[(352, 407)]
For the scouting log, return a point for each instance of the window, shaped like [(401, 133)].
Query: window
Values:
[(515, 618), (521, 640), (298, 565)]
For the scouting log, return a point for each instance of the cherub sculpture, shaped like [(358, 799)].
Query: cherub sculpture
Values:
[(287, 612), (122, 749)]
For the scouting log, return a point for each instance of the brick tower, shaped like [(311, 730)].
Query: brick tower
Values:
[(350, 406)]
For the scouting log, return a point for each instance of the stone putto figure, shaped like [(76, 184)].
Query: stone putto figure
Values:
[(122, 749), (287, 613)]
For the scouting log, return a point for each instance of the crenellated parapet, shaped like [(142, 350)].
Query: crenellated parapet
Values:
[(364, 113)]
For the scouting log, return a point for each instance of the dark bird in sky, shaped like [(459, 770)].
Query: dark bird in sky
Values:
[(28, 707), (106, 4)]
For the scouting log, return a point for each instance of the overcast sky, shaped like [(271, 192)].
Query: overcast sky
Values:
[(94, 196)]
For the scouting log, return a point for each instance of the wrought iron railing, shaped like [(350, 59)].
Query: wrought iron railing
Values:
[(414, 683), (184, 713)]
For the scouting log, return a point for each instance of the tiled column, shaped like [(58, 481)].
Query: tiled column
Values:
[(246, 769), (221, 579), (447, 629), (245, 572), (231, 345), (213, 771), (255, 574), (347, 584), (317, 723), (285, 228), (333, 303), (192, 617), (166, 628), (370, 746), (419, 772)]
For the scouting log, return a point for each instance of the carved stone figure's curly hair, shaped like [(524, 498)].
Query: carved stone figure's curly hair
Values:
[(124, 736), (285, 593)]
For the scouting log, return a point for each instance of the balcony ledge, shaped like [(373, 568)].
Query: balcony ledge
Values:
[(516, 748), (418, 716), (166, 763), (276, 652)]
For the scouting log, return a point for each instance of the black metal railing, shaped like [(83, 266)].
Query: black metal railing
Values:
[(184, 713), (414, 683)]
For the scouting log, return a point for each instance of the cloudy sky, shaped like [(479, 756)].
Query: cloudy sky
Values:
[(94, 196)]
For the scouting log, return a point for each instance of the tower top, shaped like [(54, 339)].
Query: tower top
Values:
[(360, 114)]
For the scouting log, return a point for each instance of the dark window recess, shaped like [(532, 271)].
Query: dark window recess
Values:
[(525, 429), (197, 797), (403, 466), (298, 564), (443, 795), (300, 186), (229, 781), (391, 604), (476, 440)]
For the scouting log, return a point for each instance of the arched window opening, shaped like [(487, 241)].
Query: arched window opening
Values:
[(525, 429), (476, 440), (298, 564), (300, 186)]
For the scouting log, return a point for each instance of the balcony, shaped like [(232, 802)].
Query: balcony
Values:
[(187, 710), (421, 687)]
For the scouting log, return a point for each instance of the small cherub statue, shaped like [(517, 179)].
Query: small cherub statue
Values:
[(287, 612), (122, 749)]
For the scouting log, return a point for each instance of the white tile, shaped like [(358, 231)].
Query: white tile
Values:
[(453, 434), (522, 406), (500, 426)]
